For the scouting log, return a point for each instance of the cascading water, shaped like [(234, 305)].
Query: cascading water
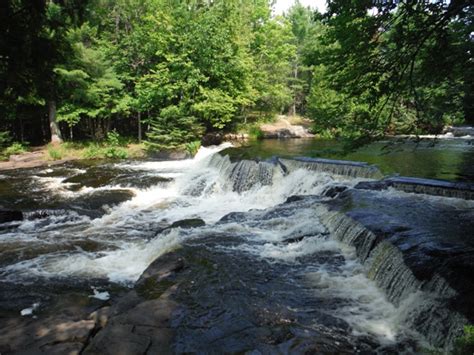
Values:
[(330, 274)]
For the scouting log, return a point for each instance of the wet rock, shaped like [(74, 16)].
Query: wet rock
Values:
[(118, 339), (334, 191), (141, 321), (212, 139), (139, 180), (233, 217), (10, 216), (188, 223), (406, 253), (97, 199), (371, 185), (92, 178), (294, 198), (294, 239)]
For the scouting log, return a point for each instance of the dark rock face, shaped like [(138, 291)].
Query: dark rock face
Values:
[(334, 191), (140, 323), (411, 245), (63, 322), (294, 198), (188, 223), (97, 199), (10, 216), (212, 139)]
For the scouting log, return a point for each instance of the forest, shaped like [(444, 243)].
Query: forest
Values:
[(169, 71)]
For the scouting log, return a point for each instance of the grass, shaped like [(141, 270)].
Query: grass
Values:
[(94, 150), (13, 149)]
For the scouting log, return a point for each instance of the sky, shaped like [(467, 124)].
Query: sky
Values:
[(283, 5)]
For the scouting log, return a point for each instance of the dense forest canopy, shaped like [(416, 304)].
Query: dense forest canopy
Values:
[(170, 71)]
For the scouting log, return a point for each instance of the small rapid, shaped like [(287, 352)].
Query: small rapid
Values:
[(270, 226)]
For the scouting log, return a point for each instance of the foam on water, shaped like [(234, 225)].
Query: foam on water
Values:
[(200, 191), (128, 236), (361, 304)]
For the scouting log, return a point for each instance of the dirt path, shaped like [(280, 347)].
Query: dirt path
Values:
[(32, 159)]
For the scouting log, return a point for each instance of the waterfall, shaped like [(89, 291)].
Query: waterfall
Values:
[(422, 304), (422, 186), (338, 167)]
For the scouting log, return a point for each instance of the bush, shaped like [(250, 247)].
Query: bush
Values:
[(93, 151), (115, 153), (255, 132), (192, 147), (115, 139), (15, 148), (55, 153)]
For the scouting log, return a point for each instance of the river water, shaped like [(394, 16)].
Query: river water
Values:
[(97, 227)]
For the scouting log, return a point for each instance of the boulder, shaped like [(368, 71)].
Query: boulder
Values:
[(212, 139), (187, 223)]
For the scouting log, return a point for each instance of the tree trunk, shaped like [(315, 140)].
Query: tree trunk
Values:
[(292, 111), (139, 119), (56, 137)]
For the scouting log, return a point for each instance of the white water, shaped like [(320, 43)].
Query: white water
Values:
[(128, 242), (126, 231)]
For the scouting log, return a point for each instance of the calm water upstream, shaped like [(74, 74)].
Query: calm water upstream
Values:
[(270, 276), (441, 158)]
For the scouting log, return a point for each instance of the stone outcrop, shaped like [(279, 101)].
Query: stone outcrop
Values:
[(282, 128)]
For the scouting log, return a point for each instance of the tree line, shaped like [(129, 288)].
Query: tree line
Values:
[(169, 71)]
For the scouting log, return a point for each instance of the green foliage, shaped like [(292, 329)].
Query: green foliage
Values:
[(192, 147), (4, 139), (15, 148), (171, 71), (255, 132), (54, 152), (93, 151), (465, 344), (172, 129), (115, 153), (114, 139), (401, 70)]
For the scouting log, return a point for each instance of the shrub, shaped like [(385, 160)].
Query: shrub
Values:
[(55, 153), (115, 139), (93, 151), (115, 153), (15, 148), (192, 147), (255, 132)]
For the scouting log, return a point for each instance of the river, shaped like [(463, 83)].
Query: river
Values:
[(268, 268)]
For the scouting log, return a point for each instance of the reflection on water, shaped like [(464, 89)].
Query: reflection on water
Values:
[(449, 159)]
